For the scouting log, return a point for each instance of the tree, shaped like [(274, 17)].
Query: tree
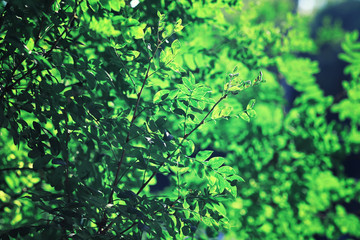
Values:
[(90, 127)]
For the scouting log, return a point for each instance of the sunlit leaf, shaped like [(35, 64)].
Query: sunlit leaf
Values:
[(216, 162), (203, 155), (251, 104), (244, 116)]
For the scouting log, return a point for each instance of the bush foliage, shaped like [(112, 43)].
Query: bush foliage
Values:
[(97, 98)]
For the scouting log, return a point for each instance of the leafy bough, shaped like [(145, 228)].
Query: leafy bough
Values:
[(189, 97)]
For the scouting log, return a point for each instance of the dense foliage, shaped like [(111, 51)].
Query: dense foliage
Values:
[(98, 99)]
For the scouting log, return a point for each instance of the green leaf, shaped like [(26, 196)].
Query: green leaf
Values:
[(34, 153), (160, 96), (192, 78), (181, 105), (244, 116), (131, 55), (215, 162), (232, 190), (178, 26), (173, 94), (235, 69), (179, 21), (137, 32), (95, 112), (216, 113), (116, 5), (187, 83), (251, 104), (176, 67), (161, 16), (235, 177), (165, 56), (189, 147), (221, 183), (184, 89), (251, 113), (175, 46), (225, 112), (41, 162), (211, 179), (161, 26), (186, 230), (90, 78), (55, 146), (30, 45), (135, 53), (220, 208), (200, 92), (234, 87), (203, 155), (169, 29), (186, 204), (226, 170)]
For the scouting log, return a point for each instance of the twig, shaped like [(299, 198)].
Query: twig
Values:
[(134, 116), (180, 145), (102, 223), (67, 154), (203, 120), (186, 112), (126, 71), (66, 30)]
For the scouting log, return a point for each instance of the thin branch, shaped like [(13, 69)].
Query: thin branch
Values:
[(66, 30), (67, 154), (134, 116), (180, 145), (186, 112), (107, 138), (170, 61), (203, 120), (126, 70)]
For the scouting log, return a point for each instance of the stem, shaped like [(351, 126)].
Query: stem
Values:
[(134, 116), (126, 70), (182, 141), (187, 109), (67, 155), (66, 30), (203, 120)]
